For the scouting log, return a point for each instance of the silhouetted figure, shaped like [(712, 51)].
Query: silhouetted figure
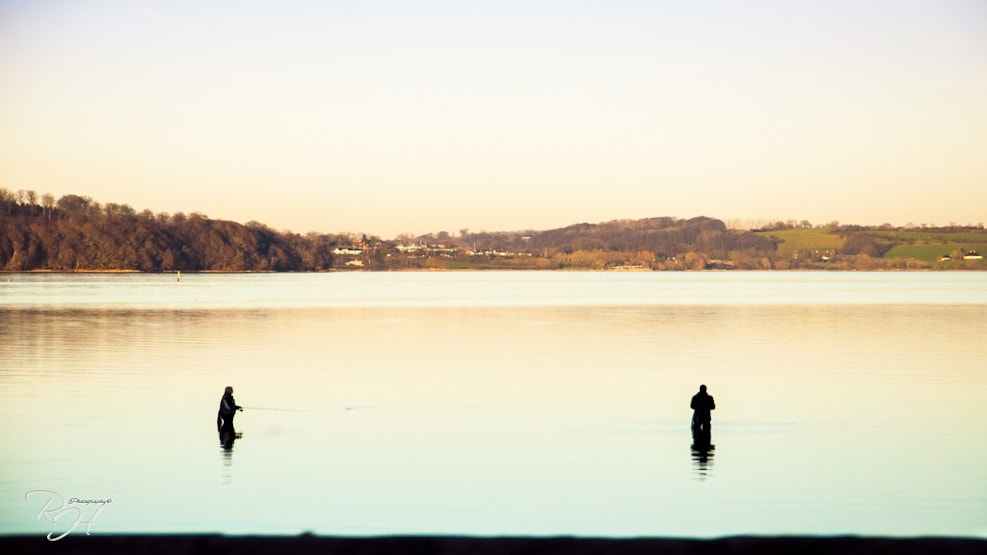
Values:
[(702, 404), (227, 409), (702, 438)]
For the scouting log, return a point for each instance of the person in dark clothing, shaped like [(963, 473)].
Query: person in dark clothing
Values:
[(701, 405), (227, 409)]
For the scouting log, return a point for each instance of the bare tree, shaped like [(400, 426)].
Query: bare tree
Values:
[(48, 204), (6, 197)]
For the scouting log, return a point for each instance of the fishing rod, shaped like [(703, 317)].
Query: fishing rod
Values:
[(346, 408)]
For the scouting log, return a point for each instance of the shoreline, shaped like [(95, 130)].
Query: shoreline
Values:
[(181, 544)]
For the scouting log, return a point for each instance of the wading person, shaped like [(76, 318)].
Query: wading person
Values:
[(227, 409), (702, 404)]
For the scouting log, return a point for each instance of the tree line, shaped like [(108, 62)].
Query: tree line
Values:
[(76, 233)]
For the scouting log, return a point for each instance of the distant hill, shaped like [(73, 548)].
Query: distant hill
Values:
[(651, 243), (75, 233)]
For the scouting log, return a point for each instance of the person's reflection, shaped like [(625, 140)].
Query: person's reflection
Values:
[(702, 451), (227, 437)]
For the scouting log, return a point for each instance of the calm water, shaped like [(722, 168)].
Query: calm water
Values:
[(497, 403)]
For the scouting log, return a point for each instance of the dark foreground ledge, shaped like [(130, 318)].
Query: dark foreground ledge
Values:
[(305, 545)]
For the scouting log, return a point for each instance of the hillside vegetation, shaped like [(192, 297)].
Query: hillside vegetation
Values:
[(75, 233)]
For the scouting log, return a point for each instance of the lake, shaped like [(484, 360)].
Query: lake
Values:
[(495, 403)]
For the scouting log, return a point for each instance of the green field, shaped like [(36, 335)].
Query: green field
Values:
[(922, 245), (932, 253), (968, 238), (794, 240), (930, 246)]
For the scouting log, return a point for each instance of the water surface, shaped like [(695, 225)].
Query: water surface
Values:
[(535, 403)]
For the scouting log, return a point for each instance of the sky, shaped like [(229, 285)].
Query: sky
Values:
[(387, 117)]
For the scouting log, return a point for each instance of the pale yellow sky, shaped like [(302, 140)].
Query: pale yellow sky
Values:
[(389, 118)]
